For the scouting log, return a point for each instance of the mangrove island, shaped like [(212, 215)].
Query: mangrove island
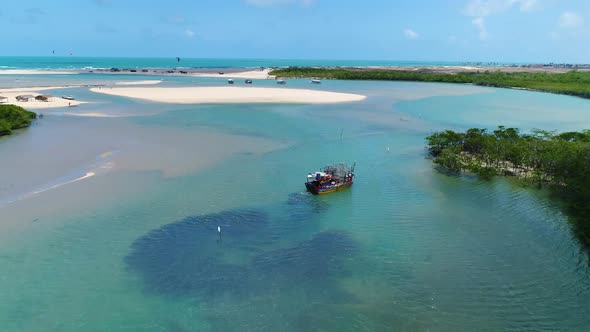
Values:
[(574, 83), (559, 162), (14, 117)]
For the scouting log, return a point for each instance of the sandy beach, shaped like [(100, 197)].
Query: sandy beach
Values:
[(221, 95), (36, 72), (266, 73), (53, 102), (250, 74)]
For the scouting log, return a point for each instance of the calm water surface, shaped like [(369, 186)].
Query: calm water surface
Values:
[(408, 248)]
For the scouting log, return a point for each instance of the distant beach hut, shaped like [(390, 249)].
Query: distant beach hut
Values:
[(25, 98), (3, 99), (44, 98)]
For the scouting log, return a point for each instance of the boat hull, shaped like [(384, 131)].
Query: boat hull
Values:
[(322, 190)]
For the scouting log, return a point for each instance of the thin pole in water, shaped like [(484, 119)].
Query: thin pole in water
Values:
[(219, 233)]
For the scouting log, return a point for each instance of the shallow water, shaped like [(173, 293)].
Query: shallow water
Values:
[(406, 248)]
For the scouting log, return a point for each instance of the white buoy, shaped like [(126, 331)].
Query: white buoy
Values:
[(388, 149), (218, 234)]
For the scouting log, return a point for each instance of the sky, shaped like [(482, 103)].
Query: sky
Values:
[(418, 30)]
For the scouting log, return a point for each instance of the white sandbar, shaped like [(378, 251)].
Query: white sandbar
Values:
[(35, 72), (249, 74), (54, 101), (223, 95)]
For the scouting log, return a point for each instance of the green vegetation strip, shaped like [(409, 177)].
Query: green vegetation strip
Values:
[(573, 83), (14, 117), (560, 162)]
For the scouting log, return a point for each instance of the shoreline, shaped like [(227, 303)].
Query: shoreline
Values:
[(34, 104), (37, 72), (266, 72)]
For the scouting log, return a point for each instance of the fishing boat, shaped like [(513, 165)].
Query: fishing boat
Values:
[(315, 81), (68, 97), (230, 81), (281, 82), (331, 179)]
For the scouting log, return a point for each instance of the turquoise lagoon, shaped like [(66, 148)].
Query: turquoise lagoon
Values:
[(408, 248)]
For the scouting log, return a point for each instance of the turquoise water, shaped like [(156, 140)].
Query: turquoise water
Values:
[(74, 62), (407, 248)]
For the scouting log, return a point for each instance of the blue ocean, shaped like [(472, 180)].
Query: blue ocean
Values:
[(74, 62)]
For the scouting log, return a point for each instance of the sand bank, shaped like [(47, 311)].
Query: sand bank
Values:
[(224, 95), (35, 72), (54, 101), (251, 74), (145, 82)]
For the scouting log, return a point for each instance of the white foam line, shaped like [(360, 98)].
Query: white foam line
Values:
[(88, 175), (34, 193)]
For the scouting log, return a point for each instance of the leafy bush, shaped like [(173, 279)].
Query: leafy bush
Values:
[(14, 117), (559, 161), (5, 127)]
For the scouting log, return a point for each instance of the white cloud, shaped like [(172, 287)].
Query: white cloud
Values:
[(271, 3), (528, 5), (480, 9), (570, 20), (483, 8), (189, 33), (480, 24), (411, 34)]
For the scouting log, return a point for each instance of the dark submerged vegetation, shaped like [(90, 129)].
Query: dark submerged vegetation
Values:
[(559, 162), (14, 117), (575, 83)]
